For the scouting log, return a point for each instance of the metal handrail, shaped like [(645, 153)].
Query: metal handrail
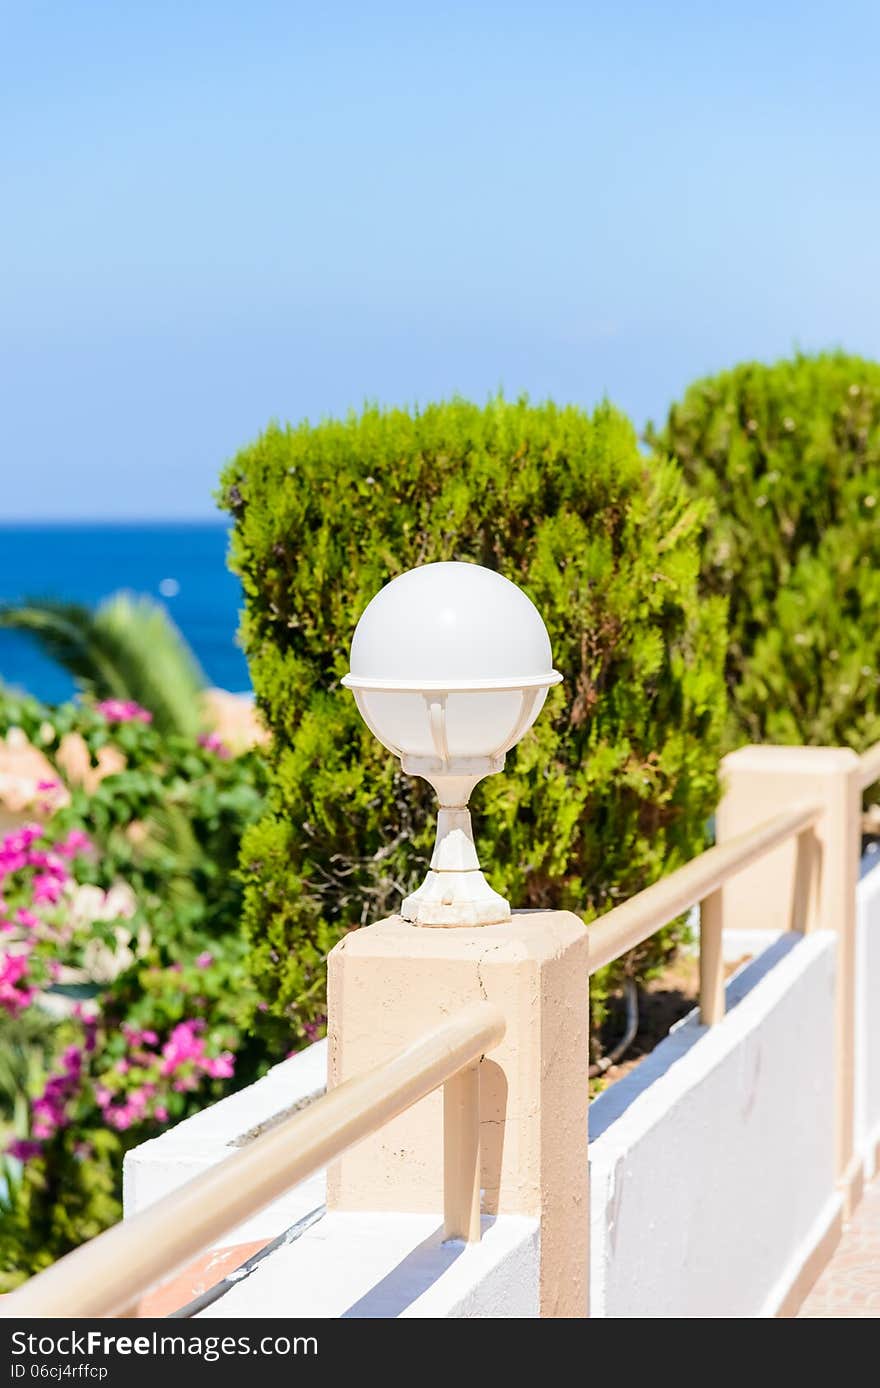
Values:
[(110, 1273), (700, 880)]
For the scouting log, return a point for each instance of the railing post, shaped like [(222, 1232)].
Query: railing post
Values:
[(712, 1002), (805, 884), (388, 983), (461, 1155)]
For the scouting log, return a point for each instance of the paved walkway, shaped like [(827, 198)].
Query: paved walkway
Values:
[(850, 1285)]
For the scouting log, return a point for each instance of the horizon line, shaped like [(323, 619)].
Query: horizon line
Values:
[(18, 522)]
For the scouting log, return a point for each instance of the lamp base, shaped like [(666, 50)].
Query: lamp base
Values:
[(455, 892), (455, 898)]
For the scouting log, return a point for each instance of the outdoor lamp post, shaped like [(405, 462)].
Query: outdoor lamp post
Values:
[(450, 667)]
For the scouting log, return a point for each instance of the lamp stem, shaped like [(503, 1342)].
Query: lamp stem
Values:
[(454, 892)]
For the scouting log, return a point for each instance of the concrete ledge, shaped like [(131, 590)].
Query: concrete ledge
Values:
[(390, 1266)]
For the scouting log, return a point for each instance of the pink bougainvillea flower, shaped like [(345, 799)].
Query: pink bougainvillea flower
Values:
[(75, 845), (183, 1044), (137, 1036), (48, 785), (47, 889), (49, 862), (213, 742), (24, 1150), (14, 848), (14, 994), (20, 840), (27, 918), (204, 960), (51, 1110), (221, 1067), (123, 711)]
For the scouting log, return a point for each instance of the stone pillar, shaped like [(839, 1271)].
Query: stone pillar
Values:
[(388, 984), (806, 884)]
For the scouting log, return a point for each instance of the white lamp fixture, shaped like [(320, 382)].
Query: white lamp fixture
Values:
[(450, 667)]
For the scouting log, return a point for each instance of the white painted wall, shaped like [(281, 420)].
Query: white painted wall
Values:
[(712, 1164), (867, 1116)]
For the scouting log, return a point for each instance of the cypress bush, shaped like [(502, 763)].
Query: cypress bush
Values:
[(615, 784), (788, 456)]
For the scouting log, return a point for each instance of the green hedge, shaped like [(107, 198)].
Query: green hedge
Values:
[(789, 458), (618, 779)]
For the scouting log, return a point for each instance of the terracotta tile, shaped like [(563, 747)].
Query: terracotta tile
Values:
[(849, 1287)]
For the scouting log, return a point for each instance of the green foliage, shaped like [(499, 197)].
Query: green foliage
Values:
[(128, 648), (615, 785), (789, 458)]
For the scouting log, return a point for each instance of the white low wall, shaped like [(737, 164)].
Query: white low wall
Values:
[(867, 1106), (712, 1164)]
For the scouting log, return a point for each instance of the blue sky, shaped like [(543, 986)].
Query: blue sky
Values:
[(215, 214)]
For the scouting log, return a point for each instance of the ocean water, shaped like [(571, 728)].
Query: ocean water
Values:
[(182, 566)]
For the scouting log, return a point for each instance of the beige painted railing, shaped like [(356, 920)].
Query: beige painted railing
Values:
[(109, 1274), (700, 881)]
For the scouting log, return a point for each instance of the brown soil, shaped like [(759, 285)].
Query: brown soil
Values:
[(661, 1004)]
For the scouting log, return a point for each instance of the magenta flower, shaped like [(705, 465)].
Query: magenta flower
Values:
[(137, 1037), (123, 711), (221, 1067), (204, 960), (47, 889), (24, 1150), (184, 1044), (75, 844), (14, 995), (50, 1111), (14, 849), (312, 1029), (213, 742), (20, 840), (27, 918)]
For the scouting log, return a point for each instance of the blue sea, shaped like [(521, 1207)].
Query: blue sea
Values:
[(181, 565)]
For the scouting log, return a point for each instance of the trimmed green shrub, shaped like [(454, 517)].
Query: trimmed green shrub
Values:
[(615, 784), (789, 458)]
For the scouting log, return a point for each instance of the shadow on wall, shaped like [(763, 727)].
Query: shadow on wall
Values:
[(613, 1103), (413, 1276)]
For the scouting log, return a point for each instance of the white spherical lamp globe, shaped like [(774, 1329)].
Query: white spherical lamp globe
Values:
[(450, 666)]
